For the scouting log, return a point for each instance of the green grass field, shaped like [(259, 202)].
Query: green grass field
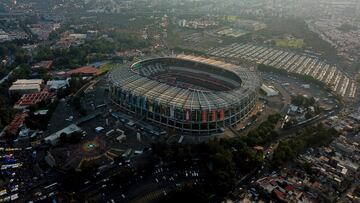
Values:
[(107, 67), (290, 43)]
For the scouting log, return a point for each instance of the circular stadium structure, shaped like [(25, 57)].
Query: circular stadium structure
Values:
[(192, 94)]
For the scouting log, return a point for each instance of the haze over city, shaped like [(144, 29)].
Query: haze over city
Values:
[(154, 101)]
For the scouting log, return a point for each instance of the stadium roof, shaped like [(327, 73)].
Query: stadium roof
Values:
[(182, 98)]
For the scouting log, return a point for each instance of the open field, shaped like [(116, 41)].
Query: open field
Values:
[(107, 67), (290, 43)]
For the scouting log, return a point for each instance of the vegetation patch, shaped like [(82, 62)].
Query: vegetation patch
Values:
[(289, 148), (107, 67), (290, 43)]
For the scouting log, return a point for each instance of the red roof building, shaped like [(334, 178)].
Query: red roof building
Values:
[(273, 182), (289, 188), (16, 123), (32, 99), (86, 70), (280, 195)]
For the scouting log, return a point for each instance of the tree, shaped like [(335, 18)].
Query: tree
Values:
[(282, 154), (43, 74), (264, 134), (6, 115), (76, 101), (223, 175), (274, 118), (75, 137), (307, 167), (21, 72), (63, 137), (313, 136), (290, 123)]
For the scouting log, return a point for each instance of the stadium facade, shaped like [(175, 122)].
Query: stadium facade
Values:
[(191, 94)]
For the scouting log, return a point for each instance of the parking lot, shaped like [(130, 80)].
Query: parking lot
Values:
[(105, 129), (295, 86), (332, 76), (23, 175)]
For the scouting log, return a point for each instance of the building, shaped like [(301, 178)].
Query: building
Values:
[(305, 86), (15, 125), (191, 94), (23, 86), (54, 138), (269, 91), (55, 85), (78, 36), (32, 99), (43, 65), (4, 37), (28, 81)]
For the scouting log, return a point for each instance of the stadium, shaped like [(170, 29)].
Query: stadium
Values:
[(191, 94)]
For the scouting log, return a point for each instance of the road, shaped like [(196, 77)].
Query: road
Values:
[(7, 76)]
